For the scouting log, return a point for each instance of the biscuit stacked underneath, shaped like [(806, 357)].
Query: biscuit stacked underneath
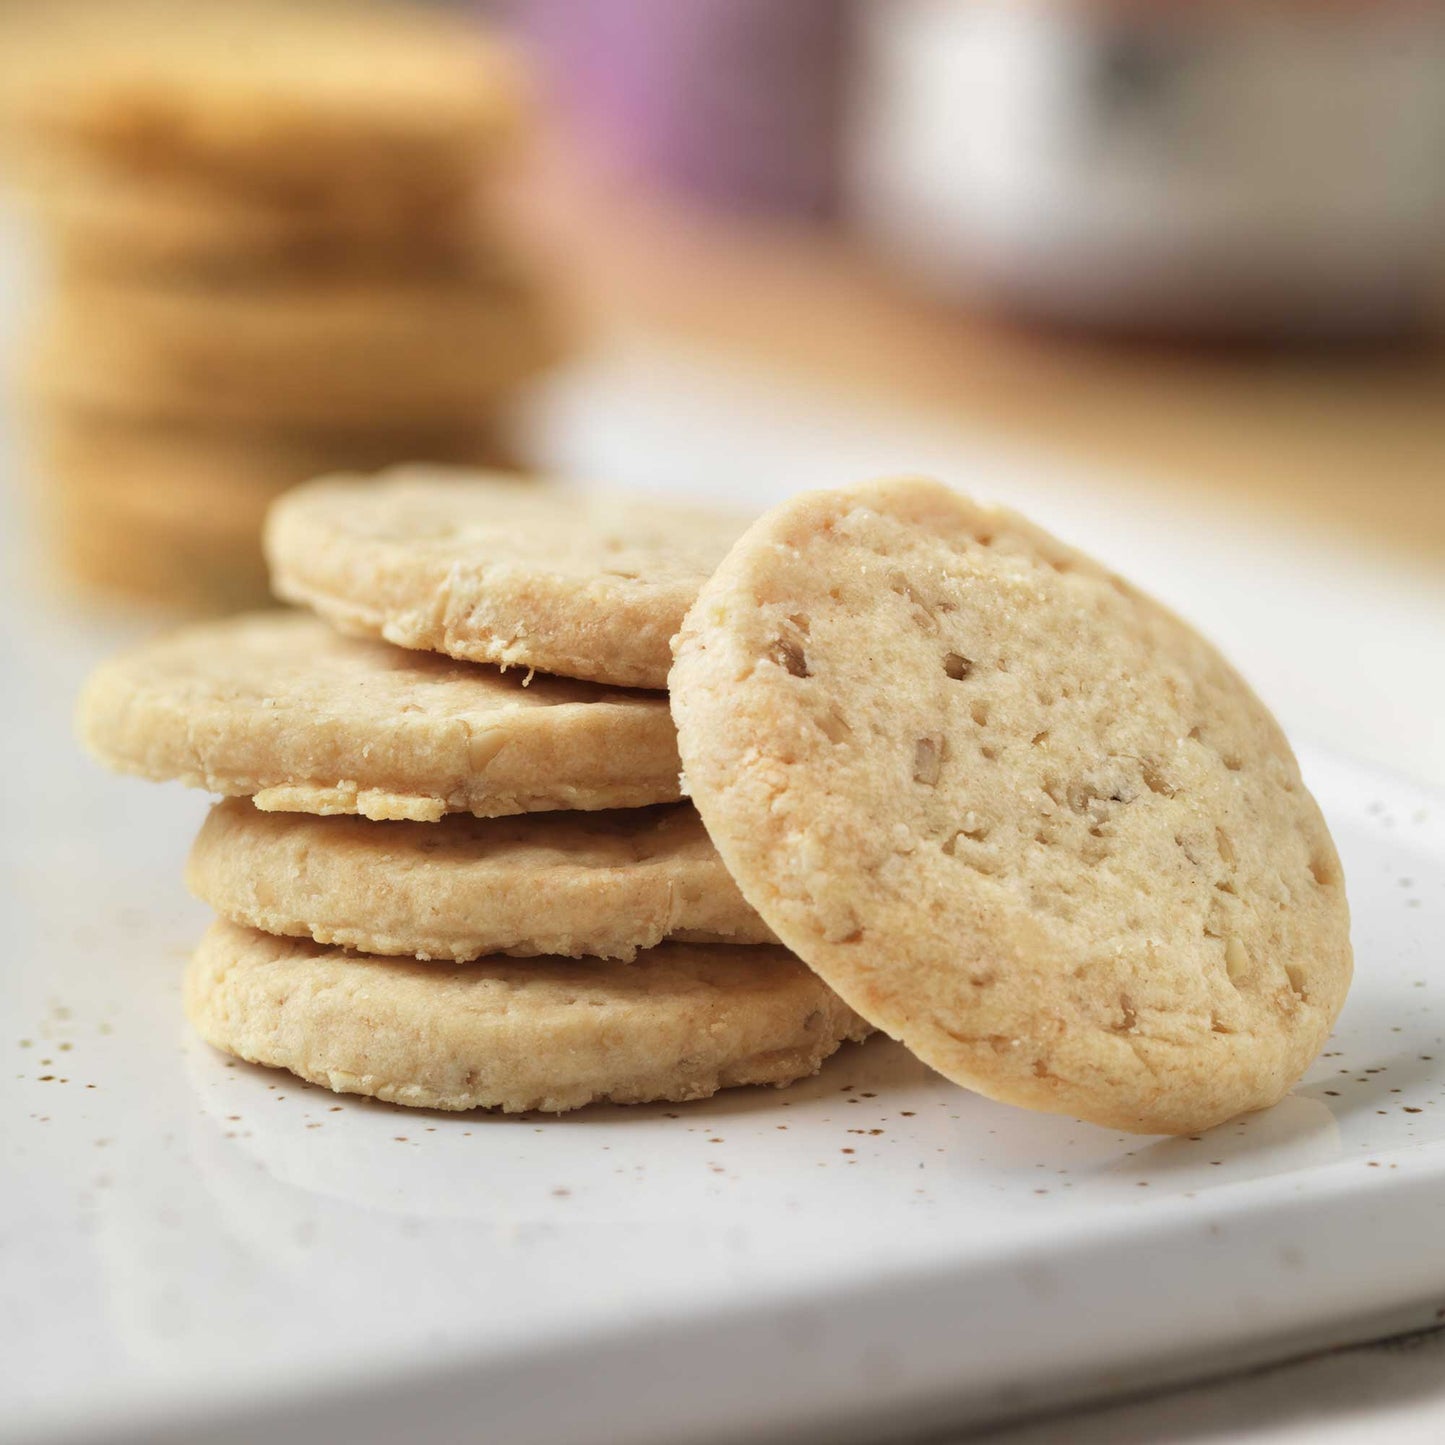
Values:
[(277, 252), (439, 882)]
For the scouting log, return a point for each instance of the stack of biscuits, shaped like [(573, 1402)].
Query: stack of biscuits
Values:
[(948, 777), (451, 864), (277, 249)]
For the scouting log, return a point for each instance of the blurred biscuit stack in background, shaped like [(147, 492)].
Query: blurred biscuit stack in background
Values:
[(274, 244)]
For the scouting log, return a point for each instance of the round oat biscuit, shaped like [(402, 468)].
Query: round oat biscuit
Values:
[(578, 583), (682, 1022), (276, 706), (358, 108), (573, 884), (1016, 813), (405, 353)]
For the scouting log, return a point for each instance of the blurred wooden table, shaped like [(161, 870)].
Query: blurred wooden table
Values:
[(1346, 442)]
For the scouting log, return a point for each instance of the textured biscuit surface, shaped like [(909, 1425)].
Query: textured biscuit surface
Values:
[(581, 584), (355, 351), (277, 707), (575, 884), (1019, 815), (682, 1022)]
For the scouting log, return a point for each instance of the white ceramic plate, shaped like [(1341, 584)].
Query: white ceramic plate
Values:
[(197, 1250), (204, 1247)]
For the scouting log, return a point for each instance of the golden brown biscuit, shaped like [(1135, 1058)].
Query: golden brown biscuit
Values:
[(359, 352), (360, 106), (173, 514), (218, 479), (184, 564), (96, 222)]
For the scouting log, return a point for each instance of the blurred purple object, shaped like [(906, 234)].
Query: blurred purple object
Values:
[(734, 101)]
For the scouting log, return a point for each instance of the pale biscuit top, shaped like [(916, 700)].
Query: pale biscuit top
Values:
[(682, 1022), (1018, 814), (316, 103), (600, 884), (277, 706), (579, 583)]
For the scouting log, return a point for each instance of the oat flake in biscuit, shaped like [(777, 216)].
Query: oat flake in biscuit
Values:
[(1016, 813), (583, 584), (576, 884), (278, 707), (681, 1023)]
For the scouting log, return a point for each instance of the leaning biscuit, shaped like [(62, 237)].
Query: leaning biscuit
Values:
[(277, 707), (574, 884), (584, 584), (681, 1023), (1016, 813)]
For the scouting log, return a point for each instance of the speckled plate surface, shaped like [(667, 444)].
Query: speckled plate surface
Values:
[(188, 1239), (200, 1251)]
